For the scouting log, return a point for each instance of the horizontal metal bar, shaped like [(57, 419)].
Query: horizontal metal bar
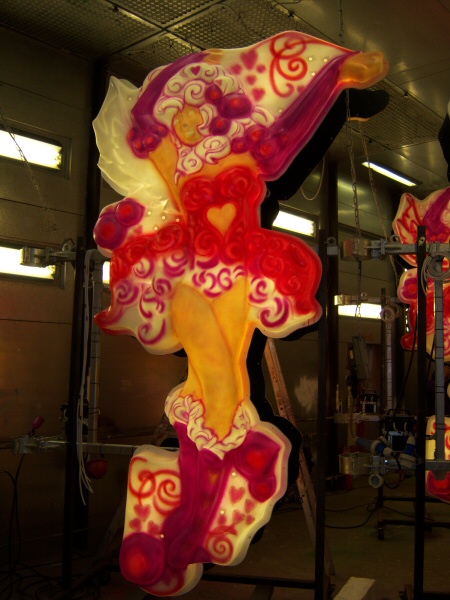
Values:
[(437, 465), (27, 444), (257, 580), (98, 448)]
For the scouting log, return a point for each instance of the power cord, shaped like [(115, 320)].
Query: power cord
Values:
[(11, 576)]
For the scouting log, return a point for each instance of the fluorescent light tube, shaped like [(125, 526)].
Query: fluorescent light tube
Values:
[(389, 173), (295, 223), (10, 259), (366, 310), (105, 272), (37, 152)]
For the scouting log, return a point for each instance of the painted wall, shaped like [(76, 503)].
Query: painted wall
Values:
[(49, 92)]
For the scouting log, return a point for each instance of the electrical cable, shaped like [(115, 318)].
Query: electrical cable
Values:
[(13, 519), (83, 479), (375, 196), (353, 526), (49, 222), (432, 269), (405, 379), (314, 196), (346, 509)]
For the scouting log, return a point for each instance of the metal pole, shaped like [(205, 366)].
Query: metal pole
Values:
[(71, 492), (94, 359), (439, 372), (321, 427), (419, 537), (386, 356)]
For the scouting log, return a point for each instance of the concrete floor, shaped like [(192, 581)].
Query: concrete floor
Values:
[(286, 551)]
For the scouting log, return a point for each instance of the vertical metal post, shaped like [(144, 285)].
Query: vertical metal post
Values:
[(321, 426), (71, 492), (94, 357), (386, 357), (419, 537), (439, 370)]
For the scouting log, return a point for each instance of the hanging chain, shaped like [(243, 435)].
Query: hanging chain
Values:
[(351, 155), (375, 196), (341, 23)]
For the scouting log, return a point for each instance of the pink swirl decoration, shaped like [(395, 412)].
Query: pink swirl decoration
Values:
[(219, 545), (287, 62), (144, 268), (136, 249), (146, 478), (126, 292), (147, 335), (212, 284), (207, 244), (169, 238), (177, 264), (260, 292), (162, 286), (277, 317), (149, 304), (168, 495), (433, 212)]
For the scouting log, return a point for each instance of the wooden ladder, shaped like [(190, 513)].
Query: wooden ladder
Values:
[(304, 483)]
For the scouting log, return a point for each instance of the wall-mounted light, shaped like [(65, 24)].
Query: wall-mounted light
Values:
[(12, 263), (36, 151), (390, 173), (296, 223), (348, 306), (365, 310), (106, 268)]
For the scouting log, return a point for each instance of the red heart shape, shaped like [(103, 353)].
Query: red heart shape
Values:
[(236, 494), (136, 524), (258, 93), (238, 517), (249, 58), (142, 511), (152, 528)]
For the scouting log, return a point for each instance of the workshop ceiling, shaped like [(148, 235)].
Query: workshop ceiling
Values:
[(413, 34)]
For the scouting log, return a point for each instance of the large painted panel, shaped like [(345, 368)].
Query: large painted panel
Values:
[(192, 269)]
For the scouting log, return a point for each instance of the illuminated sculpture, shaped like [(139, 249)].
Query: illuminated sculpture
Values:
[(440, 488), (433, 212), (192, 268)]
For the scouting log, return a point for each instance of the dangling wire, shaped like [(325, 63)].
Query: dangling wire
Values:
[(351, 155), (314, 196), (49, 221), (375, 196), (83, 479), (432, 269)]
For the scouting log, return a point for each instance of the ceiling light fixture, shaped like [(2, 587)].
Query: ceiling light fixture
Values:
[(295, 223), (390, 173), (35, 151)]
